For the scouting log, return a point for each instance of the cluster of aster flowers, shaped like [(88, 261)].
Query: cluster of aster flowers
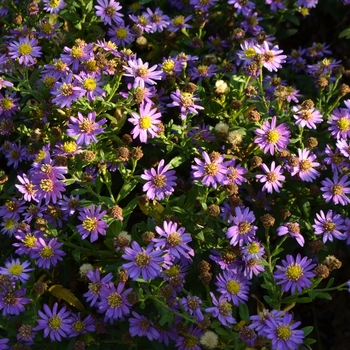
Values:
[(159, 176)]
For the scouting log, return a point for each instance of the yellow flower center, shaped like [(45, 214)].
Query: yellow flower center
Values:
[(174, 239), (305, 165), (86, 126), (47, 28), (244, 227), (271, 176), (6, 104), (144, 324), (25, 49), (47, 253), (202, 69), (110, 10), (337, 189), (233, 287), (225, 308), (41, 156), (29, 241), (284, 332), (69, 147), (77, 52), (49, 81), (142, 72), (329, 226), (294, 272), (159, 181), (95, 287), (114, 300), (145, 122), (55, 323), (273, 136), (78, 326), (186, 101), (66, 89), (9, 298), (121, 33), (190, 342), (253, 248), (343, 124), (250, 52), (179, 21), (9, 223), (90, 84), (173, 271), (142, 259), (47, 185), (60, 65), (90, 224), (168, 66), (211, 169), (16, 270)]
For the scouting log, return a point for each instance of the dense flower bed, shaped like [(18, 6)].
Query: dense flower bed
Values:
[(172, 177)]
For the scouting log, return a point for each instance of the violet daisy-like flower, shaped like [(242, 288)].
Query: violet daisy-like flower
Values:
[(145, 122), (202, 71), (15, 154), (295, 274), (192, 305), (55, 324), (92, 223), (242, 7), (272, 57), (222, 310), (283, 333), (54, 6), (143, 76), (344, 147), (16, 270), (252, 267), (12, 209), (336, 190), (121, 34), (145, 262), (12, 301), (47, 252), (259, 321), (86, 128), (211, 171), (27, 241), (47, 188), (179, 22), (26, 188), (305, 168), (253, 250), (308, 117), (234, 287), (330, 225), (95, 285), (293, 230), (107, 10), (272, 178), (340, 123), (335, 159), (160, 182), (113, 302), (271, 136), (189, 340), (25, 50), (186, 102), (91, 84), (158, 20), (242, 230), (174, 240), (8, 104), (235, 172), (142, 326), (79, 326)]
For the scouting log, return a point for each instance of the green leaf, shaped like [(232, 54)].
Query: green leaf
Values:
[(221, 331), (63, 293), (320, 295), (76, 254), (309, 341), (177, 161), (345, 32), (307, 330), (330, 283), (243, 312), (126, 189)]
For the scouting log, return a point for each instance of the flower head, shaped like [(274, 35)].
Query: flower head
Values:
[(222, 310), (17, 270), (340, 123), (25, 50), (47, 252), (308, 117), (293, 230), (54, 6), (272, 179), (305, 167), (330, 225), (336, 190), (142, 326), (11, 301), (186, 102), (107, 10)]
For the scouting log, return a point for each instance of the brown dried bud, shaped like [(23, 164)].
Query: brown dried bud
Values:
[(293, 161), (100, 326), (236, 105), (40, 287), (167, 291), (116, 212), (311, 142), (231, 189), (314, 190), (256, 161), (238, 34), (267, 220), (227, 67), (3, 178), (203, 266), (135, 29), (205, 277), (285, 213), (40, 224), (147, 237), (171, 217), (246, 333), (25, 331), (6, 127), (181, 328), (344, 89), (87, 156), (136, 153), (56, 132), (127, 338), (261, 37), (122, 276), (133, 298), (254, 116), (120, 242), (250, 91), (127, 139), (61, 160), (4, 279), (332, 262), (123, 154), (143, 200), (206, 323), (17, 18), (321, 271), (307, 104), (280, 93), (315, 246), (322, 82), (213, 210), (197, 43), (79, 345), (176, 281), (214, 156), (190, 88)]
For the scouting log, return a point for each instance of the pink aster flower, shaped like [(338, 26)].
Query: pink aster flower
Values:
[(25, 50), (271, 136), (272, 178), (272, 57), (145, 122), (340, 123), (305, 168), (336, 190), (293, 230), (307, 117), (54, 7)]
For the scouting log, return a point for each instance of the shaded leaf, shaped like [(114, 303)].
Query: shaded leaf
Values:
[(63, 293)]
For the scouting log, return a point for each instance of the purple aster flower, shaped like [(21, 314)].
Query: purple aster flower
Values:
[(340, 123), (259, 321), (221, 310), (16, 270), (272, 57), (336, 159), (318, 49), (305, 168), (271, 136), (58, 69), (66, 92), (202, 71), (91, 84), (252, 267), (158, 20), (141, 73), (145, 122), (307, 117), (242, 7), (284, 334), (294, 274), (47, 188), (225, 260), (174, 240), (15, 154), (336, 190), (56, 324), (86, 128), (10, 226), (142, 326), (293, 230), (46, 29), (272, 178), (79, 326), (95, 285), (253, 250), (307, 4), (189, 340), (192, 305), (235, 172), (107, 10), (275, 5), (344, 148), (25, 50), (203, 5), (121, 34), (160, 182), (251, 24), (92, 223), (179, 22), (26, 334), (70, 204), (8, 104), (11, 301), (26, 188), (27, 241), (145, 262), (211, 171), (12, 209), (330, 225), (113, 302), (234, 287), (242, 230), (186, 102), (215, 43), (143, 22), (248, 52), (47, 252), (54, 7)]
